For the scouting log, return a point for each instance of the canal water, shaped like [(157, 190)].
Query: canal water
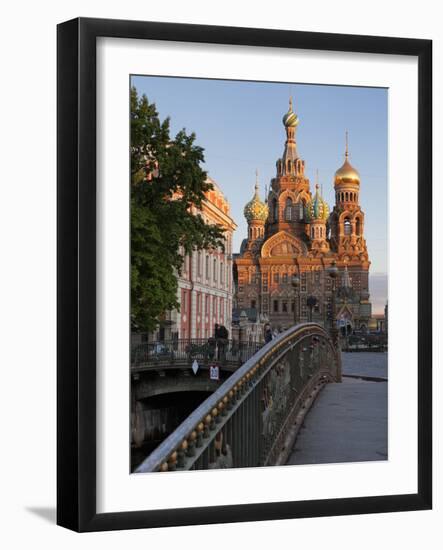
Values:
[(163, 414)]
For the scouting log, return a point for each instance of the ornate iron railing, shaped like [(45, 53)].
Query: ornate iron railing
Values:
[(248, 420), (184, 352)]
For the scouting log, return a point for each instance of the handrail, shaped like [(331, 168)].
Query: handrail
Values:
[(184, 351), (202, 427)]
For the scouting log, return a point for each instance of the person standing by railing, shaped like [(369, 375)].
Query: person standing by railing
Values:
[(268, 333), (222, 340)]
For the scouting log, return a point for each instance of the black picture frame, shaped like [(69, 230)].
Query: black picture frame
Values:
[(76, 265)]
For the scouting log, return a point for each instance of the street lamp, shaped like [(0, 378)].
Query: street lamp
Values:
[(295, 282)]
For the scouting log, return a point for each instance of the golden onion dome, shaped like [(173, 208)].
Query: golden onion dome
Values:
[(346, 173), (255, 209), (290, 119), (317, 208)]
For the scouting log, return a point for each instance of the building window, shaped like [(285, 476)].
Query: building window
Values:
[(301, 210), (288, 210), (276, 277), (199, 263), (207, 267), (274, 210), (222, 273), (183, 304), (348, 228), (284, 306), (253, 303), (214, 272), (275, 306), (285, 277)]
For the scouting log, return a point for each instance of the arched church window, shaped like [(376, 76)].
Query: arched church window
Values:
[(274, 210), (300, 210), (358, 227), (288, 210), (348, 227)]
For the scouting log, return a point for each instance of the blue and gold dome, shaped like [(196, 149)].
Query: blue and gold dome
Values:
[(317, 208), (255, 209), (290, 120)]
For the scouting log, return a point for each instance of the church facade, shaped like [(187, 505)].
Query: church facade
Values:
[(283, 268)]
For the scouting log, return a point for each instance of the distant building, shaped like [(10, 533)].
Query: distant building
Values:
[(377, 323), (205, 286), (248, 326), (292, 233)]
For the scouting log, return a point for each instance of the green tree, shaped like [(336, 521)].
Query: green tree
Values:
[(166, 181)]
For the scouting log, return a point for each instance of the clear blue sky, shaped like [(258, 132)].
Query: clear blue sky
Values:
[(239, 125)]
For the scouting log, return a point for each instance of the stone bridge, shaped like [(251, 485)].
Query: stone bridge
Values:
[(251, 416)]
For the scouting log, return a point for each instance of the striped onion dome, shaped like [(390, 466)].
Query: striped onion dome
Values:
[(317, 208), (255, 209), (290, 119)]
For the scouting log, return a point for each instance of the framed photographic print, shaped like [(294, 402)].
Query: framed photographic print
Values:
[(244, 274)]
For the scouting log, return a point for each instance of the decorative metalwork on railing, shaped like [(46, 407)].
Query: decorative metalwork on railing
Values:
[(184, 352), (248, 419)]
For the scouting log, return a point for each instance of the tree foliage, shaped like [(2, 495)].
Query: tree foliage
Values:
[(166, 181)]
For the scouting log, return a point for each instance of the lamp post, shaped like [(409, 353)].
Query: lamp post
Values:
[(295, 281), (333, 274)]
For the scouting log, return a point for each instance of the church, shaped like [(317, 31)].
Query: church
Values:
[(283, 270)]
